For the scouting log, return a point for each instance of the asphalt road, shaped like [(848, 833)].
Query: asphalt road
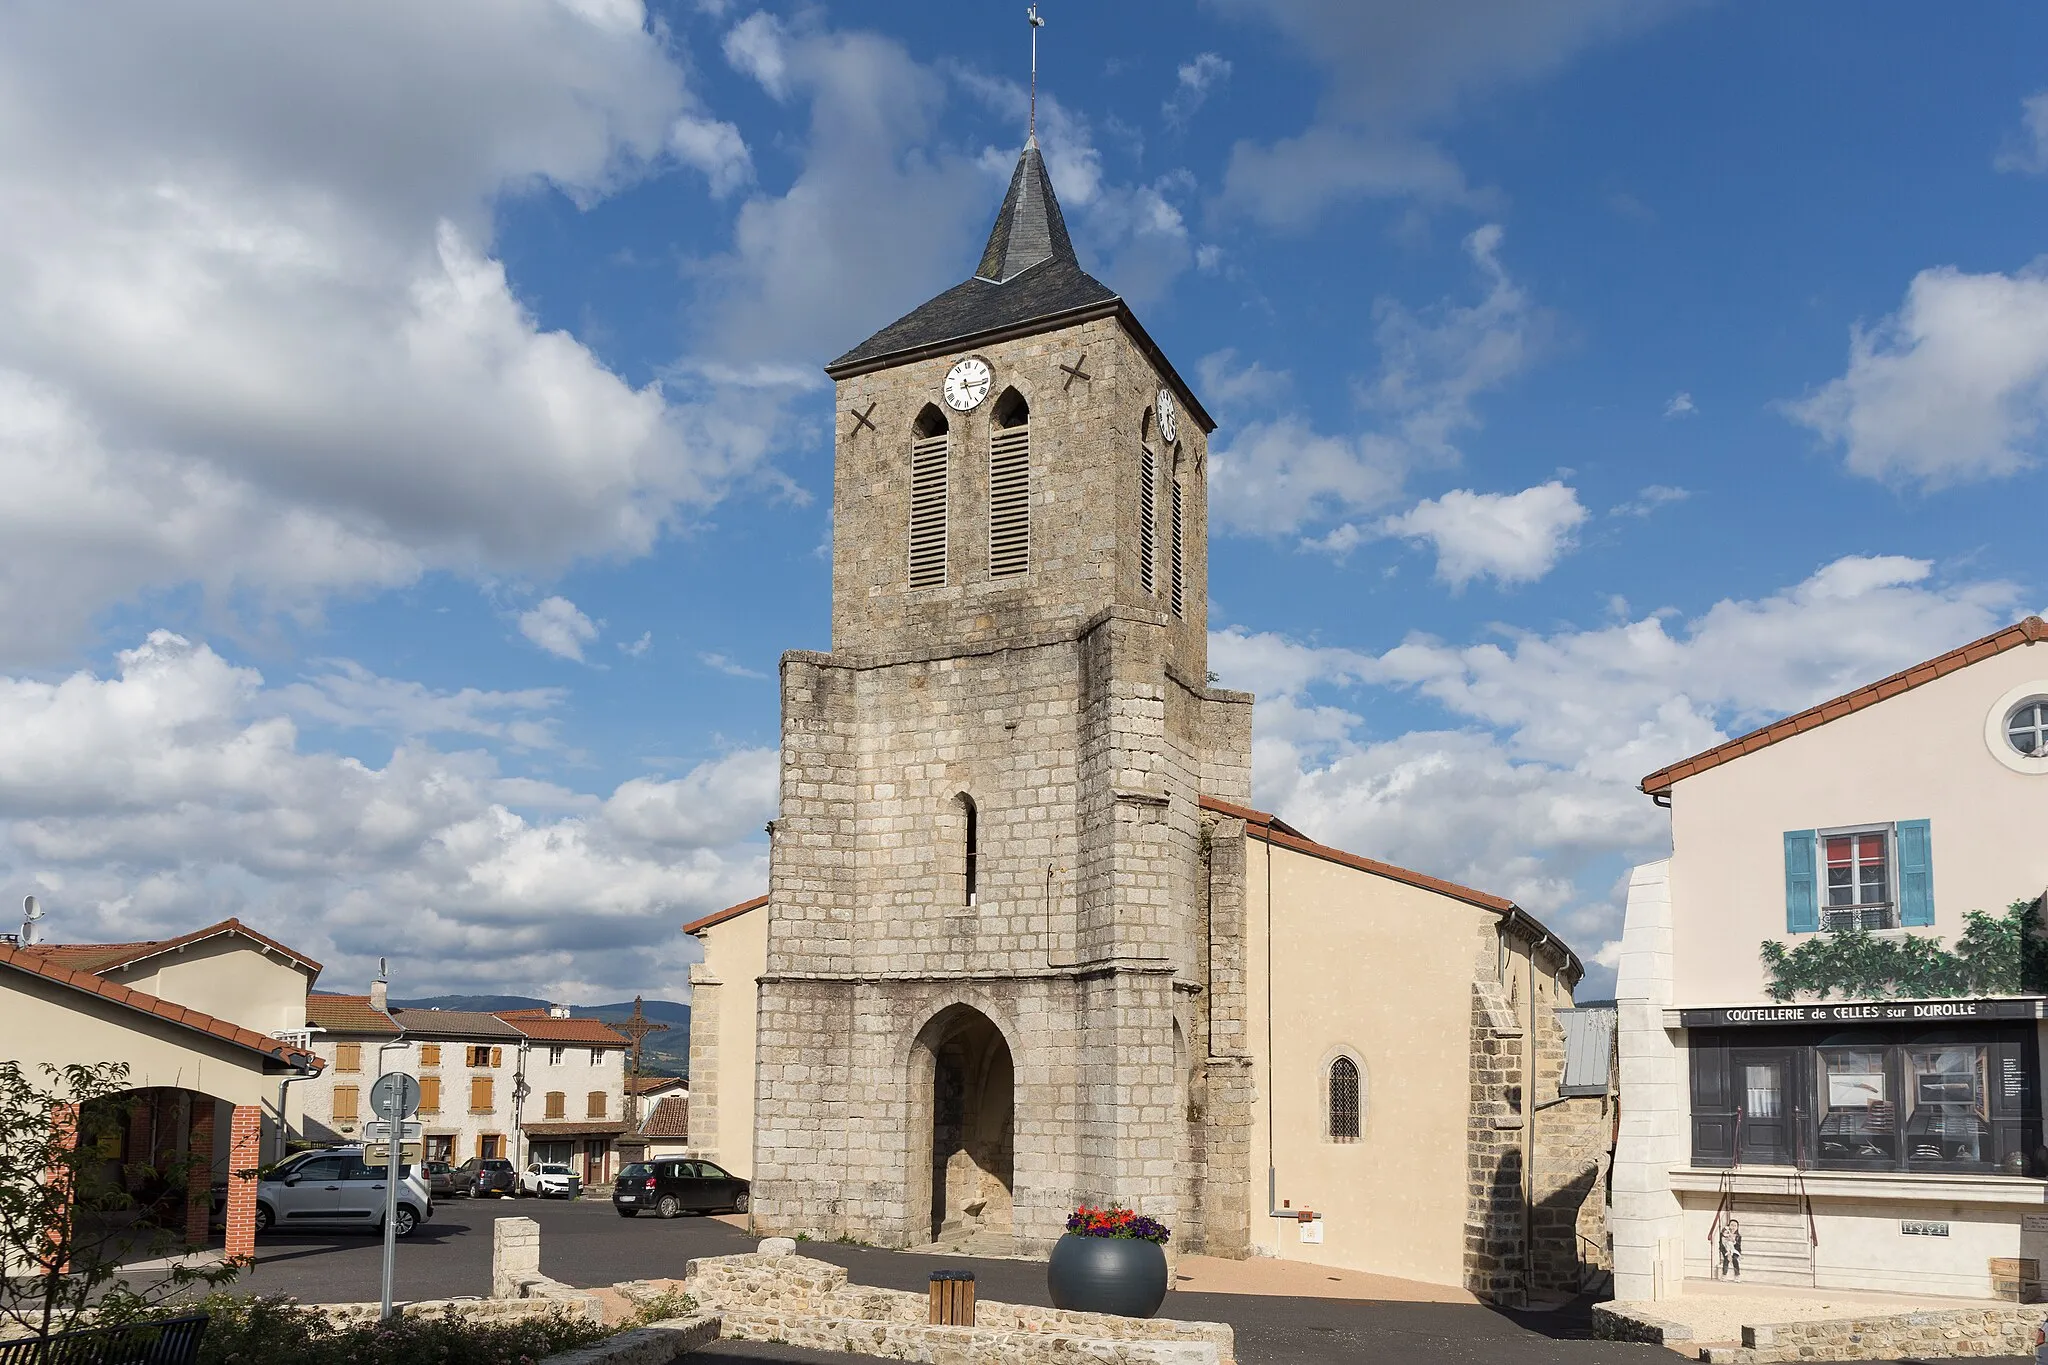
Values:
[(588, 1245)]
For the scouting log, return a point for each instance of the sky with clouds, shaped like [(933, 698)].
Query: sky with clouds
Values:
[(416, 453)]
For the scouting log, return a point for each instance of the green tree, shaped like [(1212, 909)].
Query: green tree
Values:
[(1995, 955), (67, 1219)]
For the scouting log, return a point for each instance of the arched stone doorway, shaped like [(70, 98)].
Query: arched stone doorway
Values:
[(970, 1149)]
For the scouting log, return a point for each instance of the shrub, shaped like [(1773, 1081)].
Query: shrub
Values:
[(1117, 1222), (273, 1331)]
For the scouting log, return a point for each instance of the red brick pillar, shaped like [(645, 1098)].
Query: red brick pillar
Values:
[(56, 1249), (141, 1150), (199, 1171), (245, 1156)]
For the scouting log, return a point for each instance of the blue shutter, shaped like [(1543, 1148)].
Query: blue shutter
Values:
[(1802, 907), (1916, 874)]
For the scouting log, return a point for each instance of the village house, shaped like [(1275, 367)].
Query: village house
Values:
[(1025, 944), (1832, 995)]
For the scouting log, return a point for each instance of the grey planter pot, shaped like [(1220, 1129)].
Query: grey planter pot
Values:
[(1120, 1275)]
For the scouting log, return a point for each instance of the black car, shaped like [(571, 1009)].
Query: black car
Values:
[(486, 1175), (671, 1186)]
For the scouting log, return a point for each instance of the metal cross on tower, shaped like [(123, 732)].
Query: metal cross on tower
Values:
[(636, 1027), (1036, 24)]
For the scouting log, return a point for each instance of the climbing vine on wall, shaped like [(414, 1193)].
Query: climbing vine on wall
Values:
[(1996, 955)]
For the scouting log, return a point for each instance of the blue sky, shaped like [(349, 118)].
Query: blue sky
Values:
[(419, 454)]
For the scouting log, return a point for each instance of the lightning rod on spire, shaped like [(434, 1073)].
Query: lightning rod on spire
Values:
[(1036, 24)]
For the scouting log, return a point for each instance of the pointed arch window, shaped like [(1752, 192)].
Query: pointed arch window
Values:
[(1343, 1092), (929, 468), (1148, 519), (1009, 487), (1176, 568), (971, 847)]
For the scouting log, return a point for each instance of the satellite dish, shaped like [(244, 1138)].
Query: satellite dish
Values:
[(31, 909)]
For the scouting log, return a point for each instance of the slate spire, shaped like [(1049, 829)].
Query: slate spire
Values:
[(1029, 230)]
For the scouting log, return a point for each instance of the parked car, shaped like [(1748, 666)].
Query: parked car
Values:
[(669, 1187), (441, 1179), (335, 1188), (486, 1175), (544, 1178)]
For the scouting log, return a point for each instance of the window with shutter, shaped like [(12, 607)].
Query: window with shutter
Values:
[(430, 1054), (1177, 583), (348, 1056), (1802, 906), (558, 1104), (497, 1056), (480, 1100), (1009, 488), (430, 1094), (1916, 874), (595, 1107), (929, 463), (1148, 519), (347, 1103)]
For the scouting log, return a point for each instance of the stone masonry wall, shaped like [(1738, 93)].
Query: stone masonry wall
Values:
[(1493, 1142)]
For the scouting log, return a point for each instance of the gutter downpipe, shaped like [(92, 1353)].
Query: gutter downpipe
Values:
[(284, 1118)]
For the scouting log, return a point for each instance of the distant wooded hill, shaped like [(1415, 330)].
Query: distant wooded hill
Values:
[(665, 1054)]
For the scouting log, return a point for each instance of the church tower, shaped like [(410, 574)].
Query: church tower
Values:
[(984, 999)]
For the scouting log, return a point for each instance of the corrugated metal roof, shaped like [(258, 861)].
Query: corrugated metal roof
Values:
[(1588, 1049)]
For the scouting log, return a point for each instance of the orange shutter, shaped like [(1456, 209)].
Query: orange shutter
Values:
[(348, 1056), (558, 1104), (597, 1105), (430, 1054), (480, 1095), (430, 1094), (497, 1056), (345, 1103)]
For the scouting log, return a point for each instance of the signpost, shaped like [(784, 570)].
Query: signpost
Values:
[(394, 1098)]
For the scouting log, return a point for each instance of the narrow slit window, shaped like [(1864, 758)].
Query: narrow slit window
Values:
[(1177, 567), (1009, 488), (1344, 1100), (928, 491), (1148, 518), (973, 848)]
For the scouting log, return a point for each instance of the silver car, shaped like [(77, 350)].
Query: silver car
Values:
[(336, 1189)]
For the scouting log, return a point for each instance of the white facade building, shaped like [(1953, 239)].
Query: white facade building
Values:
[(1831, 996)]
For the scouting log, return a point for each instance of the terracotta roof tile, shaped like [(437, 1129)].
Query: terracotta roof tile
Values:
[(543, 1027), (348, 1014), (31, 963), (721, 916), (1272, 830), (575, 1128), (669, 1119), (2032, 631), (428, 1023), (102, 957)]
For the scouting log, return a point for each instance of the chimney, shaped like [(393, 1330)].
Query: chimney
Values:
[(379, 992), (558, 1011)]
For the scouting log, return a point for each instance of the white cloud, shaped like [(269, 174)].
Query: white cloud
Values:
[(715, 148), (721, 664), (348, 696), (636, 648), (1649, 500), (754, 46), (2028, 154), (178, 790), (558, 627), (1435, 364), (1951, 389), (1681, 405), (1393, 67), (1527, 788), (1196, 79), (248, 354), (1508, 537)]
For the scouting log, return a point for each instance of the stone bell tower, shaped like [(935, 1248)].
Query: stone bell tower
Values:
[(983, 1001)]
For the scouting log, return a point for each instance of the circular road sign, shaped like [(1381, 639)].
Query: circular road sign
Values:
[(395, 1097)]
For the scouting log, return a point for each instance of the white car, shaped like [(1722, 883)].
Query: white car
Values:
[(544, 1178)]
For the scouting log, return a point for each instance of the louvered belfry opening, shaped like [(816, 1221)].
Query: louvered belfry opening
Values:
[(928, 494), (1148, 518), (1009, 486), (1177, 566)]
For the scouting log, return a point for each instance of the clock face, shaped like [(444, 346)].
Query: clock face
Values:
[(967, 384), (1169, 426)]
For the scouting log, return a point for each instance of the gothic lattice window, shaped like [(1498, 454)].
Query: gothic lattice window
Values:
[(1344, 1100), (1148, 518), (928, 465), (1009, 488), (1176, 567)]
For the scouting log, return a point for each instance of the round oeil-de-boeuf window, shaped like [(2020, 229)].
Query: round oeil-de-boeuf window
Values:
[(2026, 728)]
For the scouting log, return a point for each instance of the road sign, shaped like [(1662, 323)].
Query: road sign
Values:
[(379, 1131), (395, 1096)]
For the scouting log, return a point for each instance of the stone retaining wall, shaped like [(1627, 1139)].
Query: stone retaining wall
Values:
[(804, 1302), (2000, 1331), (658, 1343)]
